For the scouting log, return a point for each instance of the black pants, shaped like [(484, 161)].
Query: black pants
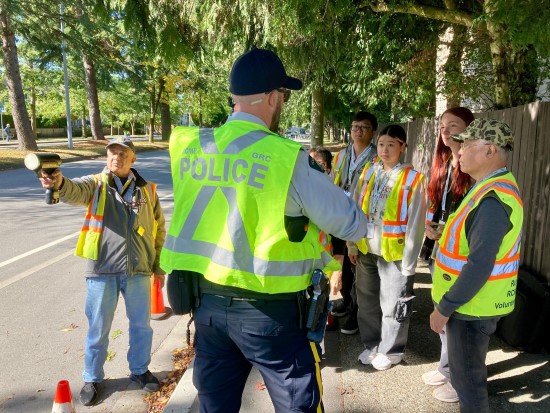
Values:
[(348, 287), (232, 335)]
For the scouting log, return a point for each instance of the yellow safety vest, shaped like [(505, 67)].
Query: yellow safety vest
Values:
[(89, 238), (337, 166), (396, 213), (230, 191), (497, 296)]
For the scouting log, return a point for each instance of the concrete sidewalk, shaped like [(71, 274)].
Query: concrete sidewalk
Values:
[(518, 382)]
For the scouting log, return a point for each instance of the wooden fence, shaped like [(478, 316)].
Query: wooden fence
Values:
[(529, 162)]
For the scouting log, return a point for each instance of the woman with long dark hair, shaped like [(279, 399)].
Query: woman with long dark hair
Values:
[(447, 187)]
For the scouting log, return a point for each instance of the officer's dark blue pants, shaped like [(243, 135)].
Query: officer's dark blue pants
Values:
[(232, 335)]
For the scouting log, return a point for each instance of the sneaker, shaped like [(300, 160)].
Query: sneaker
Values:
[(147, 381), (385, 361), (339, 308), (349, 326), (446, 393), (367, 356), (434, 378), (88, 394)]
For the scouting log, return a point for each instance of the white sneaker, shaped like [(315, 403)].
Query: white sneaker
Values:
[(384, 362), (446, 393), (434, 378), (367, 355)]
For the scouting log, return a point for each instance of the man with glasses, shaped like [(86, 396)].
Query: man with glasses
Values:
[(247, 208), (347, 167), (476, 266)]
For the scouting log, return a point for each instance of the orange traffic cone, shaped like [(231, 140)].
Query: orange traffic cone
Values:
[(158, 310), (63, 401)]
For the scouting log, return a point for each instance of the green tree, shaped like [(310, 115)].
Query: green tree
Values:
[(508, 26)]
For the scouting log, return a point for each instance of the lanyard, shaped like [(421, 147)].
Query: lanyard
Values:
[(352, 166), (380, 181), (127, 189), (445, 192)]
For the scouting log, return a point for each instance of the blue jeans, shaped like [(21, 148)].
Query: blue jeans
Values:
[(384, 298), (101, 301), (232, 335), (467, 343)]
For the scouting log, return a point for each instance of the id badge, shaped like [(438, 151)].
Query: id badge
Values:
[(370, 230)]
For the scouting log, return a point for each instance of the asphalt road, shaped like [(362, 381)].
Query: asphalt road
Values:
[(42, 292)]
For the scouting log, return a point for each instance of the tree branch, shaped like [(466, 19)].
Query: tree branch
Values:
[(429, 12)]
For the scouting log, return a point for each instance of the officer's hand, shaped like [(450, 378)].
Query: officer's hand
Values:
[(160, 278), (51, 180), (336, 282), (353, 258), (433, 230), (438, 321)]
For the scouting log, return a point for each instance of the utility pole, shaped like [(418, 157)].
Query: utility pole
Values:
[(66, 79)]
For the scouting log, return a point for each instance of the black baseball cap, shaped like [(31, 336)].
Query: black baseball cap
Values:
[(259, 71)]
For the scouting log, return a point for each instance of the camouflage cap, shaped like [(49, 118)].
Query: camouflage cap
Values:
[(490, 130)]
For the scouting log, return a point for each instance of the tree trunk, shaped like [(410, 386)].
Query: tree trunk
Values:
[(165, 121), (317, 114), (93, 100), (33, 111), (20, 115), (84, 121), (153, 109)]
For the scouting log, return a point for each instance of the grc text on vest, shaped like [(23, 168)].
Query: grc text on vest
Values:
[(220, 169)]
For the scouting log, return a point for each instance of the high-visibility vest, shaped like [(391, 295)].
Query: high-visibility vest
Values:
[(230, 191), (337, 166), (497, 296), (396, 213), (89, 238)]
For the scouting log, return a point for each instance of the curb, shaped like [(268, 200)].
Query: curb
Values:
[(184, 394)]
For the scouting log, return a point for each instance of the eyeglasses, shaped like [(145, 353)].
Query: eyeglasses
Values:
[(285, 92), (360, 128), (464, 146)]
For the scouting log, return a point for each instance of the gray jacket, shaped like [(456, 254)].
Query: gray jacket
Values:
[(127, 246)]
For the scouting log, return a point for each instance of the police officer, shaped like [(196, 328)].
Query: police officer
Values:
[(247, 204), (476, 267)]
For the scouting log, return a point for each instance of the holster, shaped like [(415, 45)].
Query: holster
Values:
[(182, 288)]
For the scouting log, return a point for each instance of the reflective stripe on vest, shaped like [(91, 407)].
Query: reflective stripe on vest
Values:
[(496, 297), (396, 211), (221, 181)]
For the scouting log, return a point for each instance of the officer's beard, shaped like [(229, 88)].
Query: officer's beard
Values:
[(274, 127)]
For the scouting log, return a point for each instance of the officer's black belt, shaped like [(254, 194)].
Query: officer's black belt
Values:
[(240, 294), (252, 296)]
